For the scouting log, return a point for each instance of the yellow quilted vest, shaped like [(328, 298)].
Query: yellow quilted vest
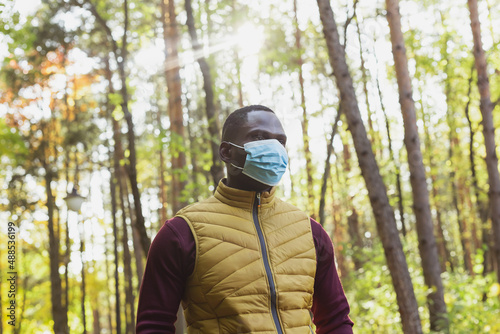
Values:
[(255, 265)]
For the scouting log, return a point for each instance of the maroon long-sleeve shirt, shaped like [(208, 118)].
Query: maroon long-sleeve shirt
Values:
[(171, 260)]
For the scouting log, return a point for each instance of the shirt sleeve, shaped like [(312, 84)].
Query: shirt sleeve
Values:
[(170, 262), (330, 307)]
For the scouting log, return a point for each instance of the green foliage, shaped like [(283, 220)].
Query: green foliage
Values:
[(473, 301), (12, 144), (371, 296)]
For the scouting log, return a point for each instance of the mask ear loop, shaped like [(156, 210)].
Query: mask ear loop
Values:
[(240, 147), (241, 168)]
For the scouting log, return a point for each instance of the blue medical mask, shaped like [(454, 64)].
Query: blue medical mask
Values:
[(266, 161)]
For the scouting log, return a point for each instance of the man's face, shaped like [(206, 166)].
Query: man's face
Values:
[(260, 125)]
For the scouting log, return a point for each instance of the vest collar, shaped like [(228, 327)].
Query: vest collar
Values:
[(242, 198)]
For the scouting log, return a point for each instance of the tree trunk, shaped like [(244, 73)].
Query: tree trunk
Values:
[(83, 295), (96, 325), (127, 267), (421, 207), (59, 316), (364, 79), (109, 307), (216, 169), (67, 251), (443, 252), (487, 107), (120, 55), (115, 251), (171, 38), (326, 173), (139, 223), (338, 237), (452, 152), (305, 119), (466, 235), (481, 206), (139, 259), (397, 167), (161, 174), (112, 187), (384, 216), (356, 241)]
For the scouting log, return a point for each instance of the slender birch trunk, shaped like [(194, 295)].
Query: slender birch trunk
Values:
[(384, 215), (487, 107)]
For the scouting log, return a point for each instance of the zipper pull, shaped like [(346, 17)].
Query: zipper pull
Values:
[(258, 200)]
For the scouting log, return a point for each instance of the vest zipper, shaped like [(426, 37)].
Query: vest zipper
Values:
[(269, 274)]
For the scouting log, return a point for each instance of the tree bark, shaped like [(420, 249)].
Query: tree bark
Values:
[(59, 316), (139, 223), (326, 173), (120, 55), (115, 253), (109, 307), (356, 241), (83, 295), (172, 75), (452, 152), (397, 167), (421, 207), (444, 253), (481, 206), (487, 107), (161, 174), (119, 173), (127, 266), (305, 119), (216, 169), (364, 79), (384, 216), (338, 236), (96, 325), (112, 187)]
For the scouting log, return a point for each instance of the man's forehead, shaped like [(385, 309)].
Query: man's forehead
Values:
[(263, 118)]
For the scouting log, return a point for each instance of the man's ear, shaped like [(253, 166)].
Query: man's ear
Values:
[(225, 152)]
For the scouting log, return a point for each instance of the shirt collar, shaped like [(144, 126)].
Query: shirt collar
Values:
[(242, 198)]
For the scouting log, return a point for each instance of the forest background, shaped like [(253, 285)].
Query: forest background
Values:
[(123, 102)]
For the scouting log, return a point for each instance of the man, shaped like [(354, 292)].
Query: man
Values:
[(243, 261)]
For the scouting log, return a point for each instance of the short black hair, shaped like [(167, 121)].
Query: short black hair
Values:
[(237, 118)]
